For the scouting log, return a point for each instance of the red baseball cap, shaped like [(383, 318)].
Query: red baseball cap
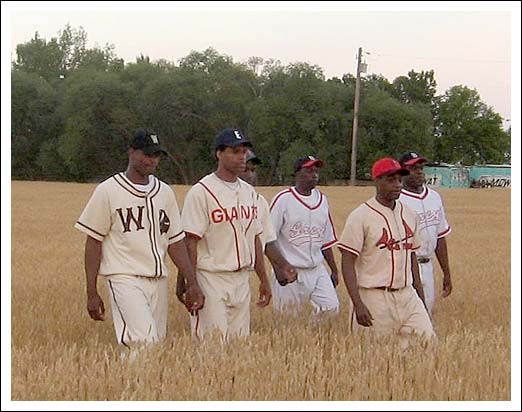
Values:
[(387, 166), (307, 161)]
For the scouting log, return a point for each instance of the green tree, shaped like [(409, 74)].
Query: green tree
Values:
[(469, 131)]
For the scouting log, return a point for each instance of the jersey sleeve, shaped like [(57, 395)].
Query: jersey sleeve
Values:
[(194, 216), (175, 232), (416, 241), (277, 214), (444, 228), (352, 237), (95, 220), (268, 234), (330, 237)]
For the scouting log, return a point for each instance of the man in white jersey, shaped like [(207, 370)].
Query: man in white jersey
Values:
[(132, 221), (379, 265), (434, 227), (221, 220), (305, 235)]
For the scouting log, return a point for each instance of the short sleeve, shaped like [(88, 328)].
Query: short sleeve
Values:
[(95, 220), (194, 216), (352, 237), (175, 232)]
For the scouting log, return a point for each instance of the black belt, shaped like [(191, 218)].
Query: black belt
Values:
[(387, 289), (423, 259)]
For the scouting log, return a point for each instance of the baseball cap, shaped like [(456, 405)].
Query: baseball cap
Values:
[(307, 161), (231, 137), (411, 158), (147, 141), (251, 157), (387, 166)]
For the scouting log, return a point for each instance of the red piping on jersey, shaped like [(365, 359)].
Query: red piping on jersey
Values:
[(420, 196), (176, 235), (87, 227), (348, 248), (327, 245), (333, 227), (444, 233), (405, 250), (301, 200), (231, 224), (277, 198), (391, 251)]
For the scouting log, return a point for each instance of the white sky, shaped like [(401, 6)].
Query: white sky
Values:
[(476, 44), (470, 47)]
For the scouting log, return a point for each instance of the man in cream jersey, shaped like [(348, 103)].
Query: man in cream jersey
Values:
[(132, 221)]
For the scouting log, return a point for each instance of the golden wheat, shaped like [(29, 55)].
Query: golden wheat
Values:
[(58, 353)]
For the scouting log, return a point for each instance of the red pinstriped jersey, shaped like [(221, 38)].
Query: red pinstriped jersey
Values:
[(303, 226), (383, 240), (226, 219), (432, 218), (135, 227)]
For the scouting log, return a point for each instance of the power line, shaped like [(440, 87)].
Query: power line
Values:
[(442, 58)]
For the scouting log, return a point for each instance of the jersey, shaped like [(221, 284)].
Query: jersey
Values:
[(383, 239), (432, 218), (303, 226), (225, 218), (268, 234), (135, 227)]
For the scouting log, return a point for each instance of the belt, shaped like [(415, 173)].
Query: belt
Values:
[(423, 259), (387, 289)]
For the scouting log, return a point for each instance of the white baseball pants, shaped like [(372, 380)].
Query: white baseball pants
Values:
[(312, 285), (428, 283), (139, 308), (227, 304)]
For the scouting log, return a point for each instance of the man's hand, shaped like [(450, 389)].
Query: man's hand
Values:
[(95, 307), (364, 317), (447, 287), (265, 294), (181, 288), (194, 299), (286, 274)]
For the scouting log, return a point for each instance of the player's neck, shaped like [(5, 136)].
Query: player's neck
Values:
[(136, 178), (303, 191), (414, 189), (225, 175), (385, 201)]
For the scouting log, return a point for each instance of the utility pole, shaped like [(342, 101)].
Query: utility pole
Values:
[(353, 164)]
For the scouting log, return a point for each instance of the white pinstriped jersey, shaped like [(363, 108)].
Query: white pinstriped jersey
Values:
[(383, 240), (432, 218), (226, 220), (303, 226), (135, 227)]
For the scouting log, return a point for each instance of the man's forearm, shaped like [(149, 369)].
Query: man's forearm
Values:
[(93, 252)]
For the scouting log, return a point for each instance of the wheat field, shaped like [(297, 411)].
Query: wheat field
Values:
[(59, 353)]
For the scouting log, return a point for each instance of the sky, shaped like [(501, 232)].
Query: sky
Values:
[(470, 47), (475, 44)]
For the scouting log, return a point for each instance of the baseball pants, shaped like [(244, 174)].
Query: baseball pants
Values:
[(400, 312), (428, 283), (139, 308), (312, 285), (227, 304)]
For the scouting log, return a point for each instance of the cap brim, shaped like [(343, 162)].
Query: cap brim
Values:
[(310, 163), (154, 149), (254, 160), (413, 162), (401, 171), (240, 143)]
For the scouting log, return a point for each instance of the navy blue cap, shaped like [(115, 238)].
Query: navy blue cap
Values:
[(231, 137), (148, 142), (251, 157)]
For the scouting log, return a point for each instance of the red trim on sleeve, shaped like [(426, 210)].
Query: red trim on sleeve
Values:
[(348, 248), (444, 233), (193, 235), (328, 245)]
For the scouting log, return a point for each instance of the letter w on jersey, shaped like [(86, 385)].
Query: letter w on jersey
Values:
[(126, 222)]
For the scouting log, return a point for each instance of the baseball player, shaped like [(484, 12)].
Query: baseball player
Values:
[(379, 265), (221, 220), (434, 227), (132, 221), (305, 235)]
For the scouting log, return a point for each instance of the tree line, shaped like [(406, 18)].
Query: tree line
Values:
[(73, 110)]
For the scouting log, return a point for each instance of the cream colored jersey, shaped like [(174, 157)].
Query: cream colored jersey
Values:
[(383, 240), (268, 234), (135, 227), (225, 217), (432, 218)]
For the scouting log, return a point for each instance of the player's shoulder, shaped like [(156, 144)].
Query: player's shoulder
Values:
[(281, 196)]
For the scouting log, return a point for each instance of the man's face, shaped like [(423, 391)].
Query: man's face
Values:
[(249, 174), (416, 177), (233, 159), (389, 187), (307, 177), (142, 163)]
